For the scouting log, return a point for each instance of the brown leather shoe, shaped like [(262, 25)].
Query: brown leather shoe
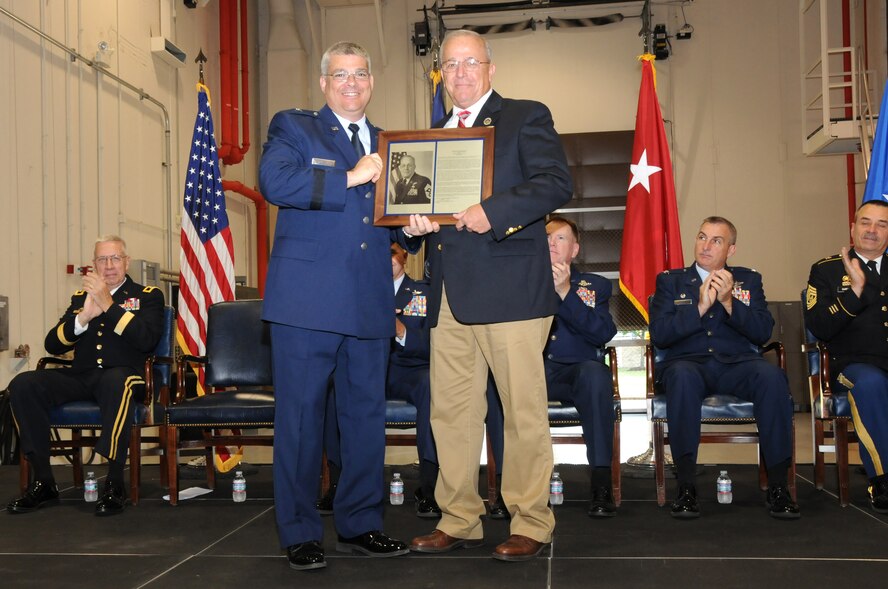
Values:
[(438, 541), (518, 548)]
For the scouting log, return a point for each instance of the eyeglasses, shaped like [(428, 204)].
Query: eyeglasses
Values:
[(109, 260), (343, 76), (470, 64)]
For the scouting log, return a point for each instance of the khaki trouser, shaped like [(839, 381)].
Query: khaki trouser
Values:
[(460, 358)]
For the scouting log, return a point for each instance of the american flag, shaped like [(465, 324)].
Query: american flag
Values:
[(396, 173), (206, 261), (207, 257)]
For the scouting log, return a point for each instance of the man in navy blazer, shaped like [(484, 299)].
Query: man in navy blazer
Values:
[(490, 305), (314, 169), (708, 320)]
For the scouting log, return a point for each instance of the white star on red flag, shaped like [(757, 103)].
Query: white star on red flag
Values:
[(642, 172)]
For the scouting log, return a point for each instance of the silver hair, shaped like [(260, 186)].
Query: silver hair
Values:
[(111, 238), (467, 33), (343, 48)]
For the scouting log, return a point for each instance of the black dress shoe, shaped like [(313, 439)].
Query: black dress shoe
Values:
[(373, 543), (324, 505), (685, 506), (780, 503), (38, 494), (498, 510), (306, 556), (426, 507), (878, 495), (602, 504), (113, 499)]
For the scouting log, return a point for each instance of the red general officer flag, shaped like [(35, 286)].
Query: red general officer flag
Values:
[(651, 238)]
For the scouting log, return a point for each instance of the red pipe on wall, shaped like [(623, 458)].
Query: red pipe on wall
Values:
[(261, 227), (849, 159), (233, 71)]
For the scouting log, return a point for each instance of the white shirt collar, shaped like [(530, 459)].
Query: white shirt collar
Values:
[(878, 261), (473, 109), (398, 282), (363, 130)]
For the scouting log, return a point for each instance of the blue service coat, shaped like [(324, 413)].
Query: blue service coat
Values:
[(679, 332), (324, 231)]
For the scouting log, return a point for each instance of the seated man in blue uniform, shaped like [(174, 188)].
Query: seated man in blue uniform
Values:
[(408, 380), (707, 319), (582, 326), (329, 301), (112, 325), (846, 307)]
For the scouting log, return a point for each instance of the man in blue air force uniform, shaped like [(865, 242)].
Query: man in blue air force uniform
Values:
[(847, 307), (408, 380), (314, 168), (112, 325), (707, 319)]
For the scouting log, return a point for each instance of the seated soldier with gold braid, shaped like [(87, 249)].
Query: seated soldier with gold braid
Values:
[(112, 325)]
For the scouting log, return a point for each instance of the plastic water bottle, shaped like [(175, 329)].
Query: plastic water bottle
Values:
[(90, 488), (396, 490), (723, 486), (239, 487), (556, 489)]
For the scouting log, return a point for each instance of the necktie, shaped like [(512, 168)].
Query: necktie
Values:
[(463, 115), (356, 141), (872, 266)]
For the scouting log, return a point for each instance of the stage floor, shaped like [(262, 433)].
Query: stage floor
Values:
[(211, 541)]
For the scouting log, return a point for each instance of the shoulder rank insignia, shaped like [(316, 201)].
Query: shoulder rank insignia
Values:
[(149, 289), (79, 292), (587, 296), (810, 297)]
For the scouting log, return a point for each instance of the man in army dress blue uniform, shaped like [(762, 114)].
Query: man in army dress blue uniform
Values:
[(847, 307), (112, 325), (708, 320)]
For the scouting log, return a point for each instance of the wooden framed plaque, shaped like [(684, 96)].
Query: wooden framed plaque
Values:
[(432, 172)]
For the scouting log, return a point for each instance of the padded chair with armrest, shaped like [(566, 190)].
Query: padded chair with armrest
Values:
[(717, 410), (77, 416), (564, 414), (238, 359), (830, 417)]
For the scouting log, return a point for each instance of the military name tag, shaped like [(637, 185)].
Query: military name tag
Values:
[(316, 161), (677, 302)]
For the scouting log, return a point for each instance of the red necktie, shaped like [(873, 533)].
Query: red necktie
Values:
[(463, 115)]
